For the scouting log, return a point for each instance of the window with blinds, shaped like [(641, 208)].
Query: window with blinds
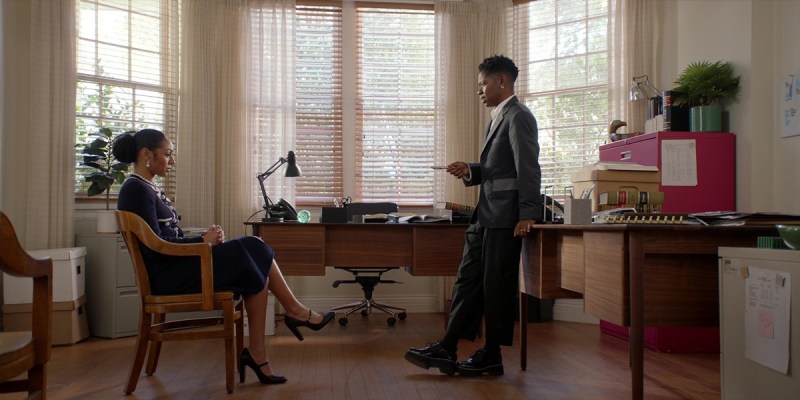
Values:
[(561, 51), (318, 142), (127, 62), (395, 105)]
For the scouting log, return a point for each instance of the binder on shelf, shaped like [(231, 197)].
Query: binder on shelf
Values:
[(457, 207)]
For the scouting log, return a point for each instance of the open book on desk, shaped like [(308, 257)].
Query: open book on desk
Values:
[(406, 218), (731, 218)]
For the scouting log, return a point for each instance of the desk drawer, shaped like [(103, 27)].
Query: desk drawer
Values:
[(437, 252), (299, 249), (570, 250), (606, 281), (368, 245)]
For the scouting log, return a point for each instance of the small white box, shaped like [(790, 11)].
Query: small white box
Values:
[(69, 320), (68, 277), (269, 324), (578, 211)]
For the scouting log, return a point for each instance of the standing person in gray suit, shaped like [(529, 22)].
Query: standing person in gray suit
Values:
[(510, 203)]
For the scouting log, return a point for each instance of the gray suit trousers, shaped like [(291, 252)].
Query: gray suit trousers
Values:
[(487, 286)]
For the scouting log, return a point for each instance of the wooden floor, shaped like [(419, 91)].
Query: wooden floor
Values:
[(364, 360)]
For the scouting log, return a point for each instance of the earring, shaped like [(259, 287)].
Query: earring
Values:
[(502, 86), (148, 164)]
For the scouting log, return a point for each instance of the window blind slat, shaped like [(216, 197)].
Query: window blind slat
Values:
[(561, 49), (127, 74), (395, 106), (319, 103)]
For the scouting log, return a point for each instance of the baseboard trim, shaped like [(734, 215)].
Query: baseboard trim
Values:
[(412, 304), (563, 309), (572, 310)]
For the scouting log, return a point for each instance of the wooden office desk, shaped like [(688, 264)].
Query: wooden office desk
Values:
[(306, 249), (632, 275)]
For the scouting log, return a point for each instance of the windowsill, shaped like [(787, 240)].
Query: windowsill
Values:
[(95, 203)]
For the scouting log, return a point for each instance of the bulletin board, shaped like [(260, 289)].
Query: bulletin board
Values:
[(790, 110)]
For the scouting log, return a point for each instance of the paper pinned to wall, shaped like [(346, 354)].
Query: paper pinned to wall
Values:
[(679, 162), (790, 114), (767, 318)]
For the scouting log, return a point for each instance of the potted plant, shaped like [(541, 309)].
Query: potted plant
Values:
[(105, 171), (706, 87)]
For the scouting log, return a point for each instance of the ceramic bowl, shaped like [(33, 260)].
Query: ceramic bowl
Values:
[(790, 235)]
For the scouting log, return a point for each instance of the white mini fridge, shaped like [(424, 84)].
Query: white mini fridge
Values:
[(742, 377)]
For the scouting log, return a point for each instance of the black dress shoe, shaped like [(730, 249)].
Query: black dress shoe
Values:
[(294, 323), (481, 362), (246, 360), (433, 356)]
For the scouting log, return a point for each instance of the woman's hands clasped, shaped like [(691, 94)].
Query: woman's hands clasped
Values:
[(214, 235)]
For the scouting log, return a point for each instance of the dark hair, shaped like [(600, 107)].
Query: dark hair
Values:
[(498, 65), (126, 146)]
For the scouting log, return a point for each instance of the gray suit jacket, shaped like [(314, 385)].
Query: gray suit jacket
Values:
[(509, 172)]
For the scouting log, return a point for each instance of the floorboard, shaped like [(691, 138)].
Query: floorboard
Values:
[(364, 361)]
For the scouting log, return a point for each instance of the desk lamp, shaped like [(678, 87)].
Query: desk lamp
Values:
[(292, 170), (641, 89)]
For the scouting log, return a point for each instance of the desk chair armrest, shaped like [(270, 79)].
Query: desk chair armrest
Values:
[(202, 250), (130, 222)]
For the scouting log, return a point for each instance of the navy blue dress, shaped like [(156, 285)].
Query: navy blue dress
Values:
[(241, 265)]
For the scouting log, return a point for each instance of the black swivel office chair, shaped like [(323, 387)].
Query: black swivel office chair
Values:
[(368, 278)]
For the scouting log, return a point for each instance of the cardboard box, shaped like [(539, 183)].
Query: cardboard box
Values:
[(69, 323), (269, 324), (69, 269), (609, 180)]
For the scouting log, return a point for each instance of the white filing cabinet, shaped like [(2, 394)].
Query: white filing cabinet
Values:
[(743, 378), (111, 293)]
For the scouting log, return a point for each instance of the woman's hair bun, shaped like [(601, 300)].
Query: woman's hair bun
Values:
[(124, 147)]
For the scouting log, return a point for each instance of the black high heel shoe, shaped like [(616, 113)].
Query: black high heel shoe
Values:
[(245, 359), (294, 323)]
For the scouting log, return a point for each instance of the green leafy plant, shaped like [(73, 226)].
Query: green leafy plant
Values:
[(704, 83), (106, 170)]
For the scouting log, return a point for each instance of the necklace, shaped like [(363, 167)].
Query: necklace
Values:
[(145, 180)]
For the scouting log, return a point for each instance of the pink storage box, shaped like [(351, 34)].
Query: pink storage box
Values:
[(672, 339)]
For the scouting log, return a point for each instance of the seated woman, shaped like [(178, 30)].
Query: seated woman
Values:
[(245, 265)]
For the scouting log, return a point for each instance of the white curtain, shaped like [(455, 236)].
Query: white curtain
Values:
[(49, 221), (466, 33), (633, 51), (236, 115)]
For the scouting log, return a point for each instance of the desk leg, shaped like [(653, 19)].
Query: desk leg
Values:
[(523, 331), (636, 264)]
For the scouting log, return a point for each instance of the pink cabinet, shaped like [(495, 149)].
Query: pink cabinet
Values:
[(715, 159)]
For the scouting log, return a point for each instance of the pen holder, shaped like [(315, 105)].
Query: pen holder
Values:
[(578, 211)]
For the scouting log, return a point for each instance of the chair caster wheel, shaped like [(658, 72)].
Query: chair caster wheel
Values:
[(364, 313), (343, 321), (402, 316), (391, 321)]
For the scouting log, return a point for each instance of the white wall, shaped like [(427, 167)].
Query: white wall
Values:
[(758, 37), (723, 30), (782, 23)]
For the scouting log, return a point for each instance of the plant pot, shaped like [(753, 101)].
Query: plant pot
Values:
[(106, 222), (706, 119)]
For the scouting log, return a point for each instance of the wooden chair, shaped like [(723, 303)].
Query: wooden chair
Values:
[(26, 351), (152, 325)]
